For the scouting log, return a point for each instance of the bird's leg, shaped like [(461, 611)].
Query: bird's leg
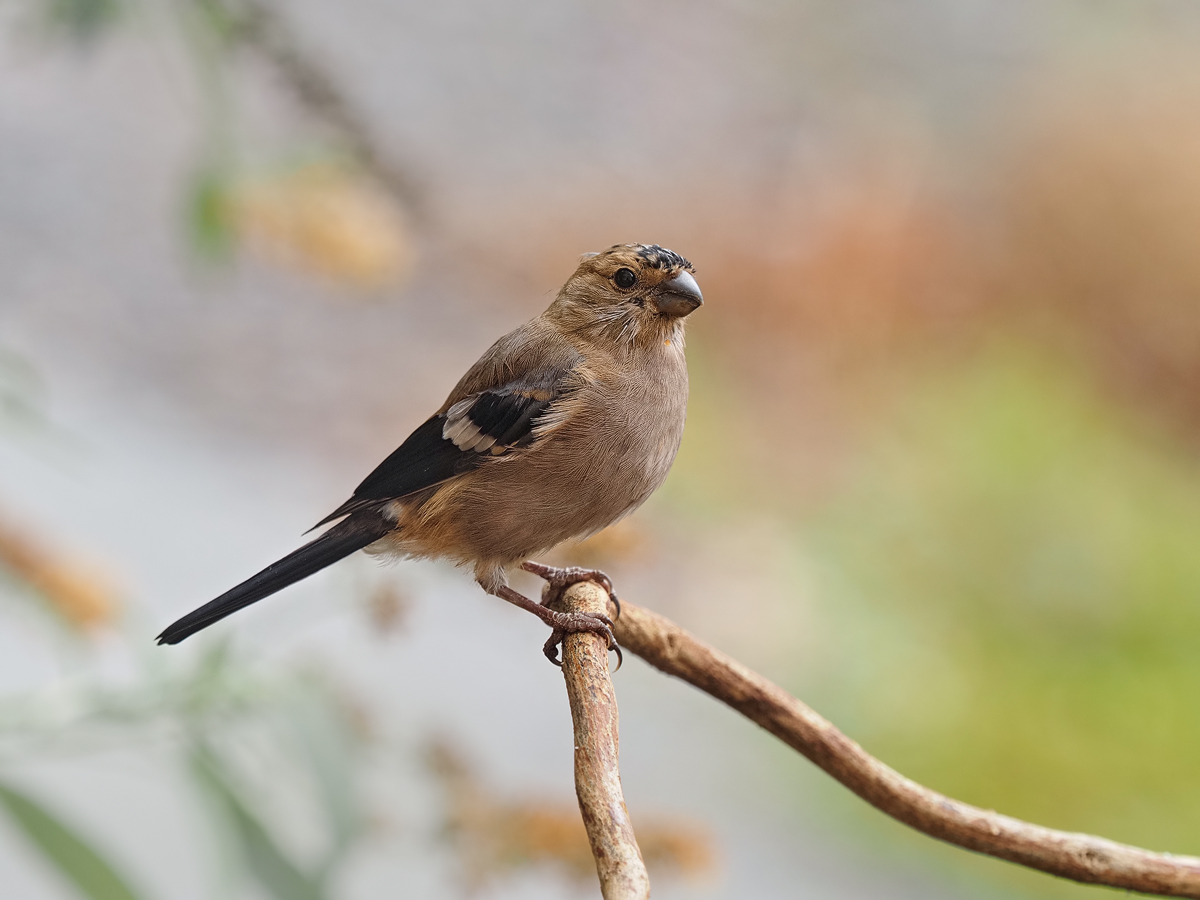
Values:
[(561, 623), (559, 579)]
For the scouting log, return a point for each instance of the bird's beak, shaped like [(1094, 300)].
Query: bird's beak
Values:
[(679, 296)]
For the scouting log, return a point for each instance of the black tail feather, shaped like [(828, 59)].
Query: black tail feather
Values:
[(340, 541)]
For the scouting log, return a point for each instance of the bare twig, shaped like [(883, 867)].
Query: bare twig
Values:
[(597, 776), (261, 29), (1080, 857)]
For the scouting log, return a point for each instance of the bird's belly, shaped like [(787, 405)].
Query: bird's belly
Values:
[(576, 482)]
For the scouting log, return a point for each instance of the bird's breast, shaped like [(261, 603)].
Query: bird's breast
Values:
[(615, 439), (634, 419)]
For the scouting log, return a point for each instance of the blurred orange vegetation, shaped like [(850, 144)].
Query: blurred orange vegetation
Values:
[(494, 836), (326, 218), (84, 599), (822, 300), (623, 541), (1103, 237), (874, 273), (388, 607), (1086, 236)]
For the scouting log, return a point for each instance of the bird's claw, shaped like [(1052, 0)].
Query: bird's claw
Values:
[(573, 623), (550, 648), (558, 579)]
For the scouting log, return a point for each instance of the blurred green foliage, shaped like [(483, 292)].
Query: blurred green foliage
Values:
[(224, 719), (92, 875), (21, 393), (1010, 598), (308, 736), (270, 865), (207, 214), (210, 705), (81, 20)]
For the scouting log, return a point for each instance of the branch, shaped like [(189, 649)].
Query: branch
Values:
[(1080, 857), (597, 776)]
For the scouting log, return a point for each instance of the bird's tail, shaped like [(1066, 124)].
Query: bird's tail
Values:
[(354, 533)]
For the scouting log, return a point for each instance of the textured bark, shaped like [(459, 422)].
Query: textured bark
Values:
[(597, 776), (1080, 857)]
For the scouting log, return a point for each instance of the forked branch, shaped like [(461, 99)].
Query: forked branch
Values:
[(1080, 857)]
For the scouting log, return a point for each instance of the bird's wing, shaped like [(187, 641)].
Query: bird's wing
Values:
[(495, 410)]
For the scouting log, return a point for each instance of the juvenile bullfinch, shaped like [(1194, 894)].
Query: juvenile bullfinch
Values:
[(561, 428)]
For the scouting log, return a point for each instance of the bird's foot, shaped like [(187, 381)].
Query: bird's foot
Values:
[(562, 623), (574, 622), (558, 579)]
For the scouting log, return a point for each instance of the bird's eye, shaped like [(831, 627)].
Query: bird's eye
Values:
[(625, 278)]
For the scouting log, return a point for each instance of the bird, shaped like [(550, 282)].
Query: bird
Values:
[(564, 426)]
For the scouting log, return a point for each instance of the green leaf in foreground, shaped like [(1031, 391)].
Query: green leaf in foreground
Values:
[(78, 861), (268, 863)]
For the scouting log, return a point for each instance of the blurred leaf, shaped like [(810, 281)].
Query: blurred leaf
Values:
[(70, 854), (210, 225), (82, 598), (323, 737), (266, 861), (21, 392), (326, 217), (223, 23), (495, 837), (81, 20)]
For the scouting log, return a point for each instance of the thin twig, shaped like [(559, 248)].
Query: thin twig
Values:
[(261, 29), (597, 776), (1080, 857)]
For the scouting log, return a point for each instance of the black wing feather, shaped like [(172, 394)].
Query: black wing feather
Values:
[(424, 459), (519, 423)]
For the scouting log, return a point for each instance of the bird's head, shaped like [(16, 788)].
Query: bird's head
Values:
[(632, 293)]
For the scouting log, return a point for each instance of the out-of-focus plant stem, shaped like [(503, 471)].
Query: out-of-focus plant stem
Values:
[(259, 28)]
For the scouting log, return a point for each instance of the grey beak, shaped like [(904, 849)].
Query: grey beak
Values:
[(679, 296)]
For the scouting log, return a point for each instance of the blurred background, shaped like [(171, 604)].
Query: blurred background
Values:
[(941, 476)]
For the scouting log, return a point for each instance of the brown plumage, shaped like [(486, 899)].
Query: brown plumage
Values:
[(561, 428)]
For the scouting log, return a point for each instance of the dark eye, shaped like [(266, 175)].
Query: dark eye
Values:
[(625, 278)]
